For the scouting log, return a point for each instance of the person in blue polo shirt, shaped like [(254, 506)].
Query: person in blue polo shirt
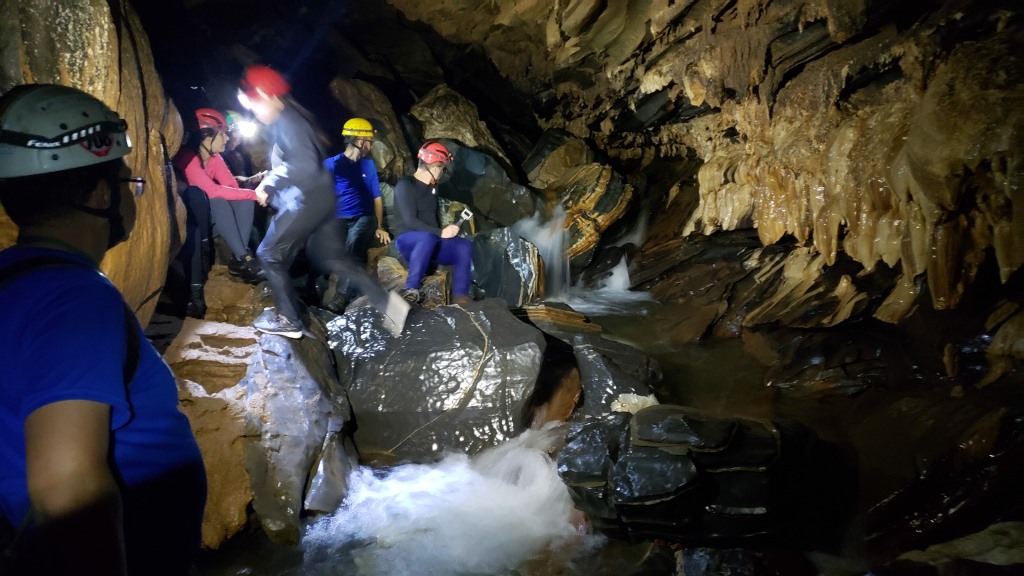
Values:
[(360, 209)]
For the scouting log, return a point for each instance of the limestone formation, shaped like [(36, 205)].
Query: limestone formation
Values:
[(834, 123)]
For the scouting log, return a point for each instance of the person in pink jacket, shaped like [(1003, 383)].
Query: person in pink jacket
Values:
[(231, 207)]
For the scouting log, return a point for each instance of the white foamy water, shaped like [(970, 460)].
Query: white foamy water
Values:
[(482, 515), (548, 235), (612, 296)]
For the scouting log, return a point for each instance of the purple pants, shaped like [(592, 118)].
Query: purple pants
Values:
[(421, 249)]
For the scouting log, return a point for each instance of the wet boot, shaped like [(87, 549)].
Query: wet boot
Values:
[(196, 305)]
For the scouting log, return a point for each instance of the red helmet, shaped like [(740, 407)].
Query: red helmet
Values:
[(433, 152), (265, 79), (210, 118)]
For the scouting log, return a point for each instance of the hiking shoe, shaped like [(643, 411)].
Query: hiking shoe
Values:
[(461, 300), (195, 308), (395, 314), (246, 269), (196, 305), (277, 324), (410, 295)]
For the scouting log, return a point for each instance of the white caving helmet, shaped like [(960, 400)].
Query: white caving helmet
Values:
[(48, 128)]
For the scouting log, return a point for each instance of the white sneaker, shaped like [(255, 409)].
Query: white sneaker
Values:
[(395, 314), (278, 324)]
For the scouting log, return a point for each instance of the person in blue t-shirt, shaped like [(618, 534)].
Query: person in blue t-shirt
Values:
[(360, 209), (99, 471)]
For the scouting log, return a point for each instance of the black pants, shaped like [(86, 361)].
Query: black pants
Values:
[(198, 235), (306, 219)]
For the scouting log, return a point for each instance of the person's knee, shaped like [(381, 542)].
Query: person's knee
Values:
[(267, 256)]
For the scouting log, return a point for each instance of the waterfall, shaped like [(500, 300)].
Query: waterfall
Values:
[(612, 294), (482, 515), (548, 235)]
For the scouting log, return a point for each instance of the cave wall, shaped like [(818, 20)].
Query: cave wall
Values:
[(890, 132), (105, 52)]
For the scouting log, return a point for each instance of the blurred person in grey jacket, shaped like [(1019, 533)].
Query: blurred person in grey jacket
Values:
[(301, 191)]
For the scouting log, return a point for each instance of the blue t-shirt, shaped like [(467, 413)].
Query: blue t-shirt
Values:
[(63, 339), (356, 184)]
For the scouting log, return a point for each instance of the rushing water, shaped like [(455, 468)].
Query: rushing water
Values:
[(482, 515), (503, 512)]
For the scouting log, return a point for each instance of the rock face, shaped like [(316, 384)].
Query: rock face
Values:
[(854, 127), (107, 54)]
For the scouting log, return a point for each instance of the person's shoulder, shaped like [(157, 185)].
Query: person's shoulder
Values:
[(71, 282), (333, 161), (404, 185), (218, 160)]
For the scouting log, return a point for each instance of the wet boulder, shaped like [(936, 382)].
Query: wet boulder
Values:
[(687, 476), (458, 378), (481, 182), (293, 402), (610, 373), (508, 267)]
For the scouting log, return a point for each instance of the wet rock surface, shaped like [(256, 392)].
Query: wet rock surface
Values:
[(458, 379)]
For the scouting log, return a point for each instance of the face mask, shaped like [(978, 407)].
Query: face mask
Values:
[(118, 232), (112, 213)]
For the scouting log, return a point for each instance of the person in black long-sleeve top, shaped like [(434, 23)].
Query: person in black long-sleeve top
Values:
[(301, 191), (421, 240)]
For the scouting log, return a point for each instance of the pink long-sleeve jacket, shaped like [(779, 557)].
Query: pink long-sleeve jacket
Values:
[(215, 178)]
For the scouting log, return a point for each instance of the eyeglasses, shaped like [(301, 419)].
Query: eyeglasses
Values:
[(136, 184)]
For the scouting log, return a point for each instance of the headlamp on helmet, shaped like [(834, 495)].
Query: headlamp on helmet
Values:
[(48, 128), (259, 80)]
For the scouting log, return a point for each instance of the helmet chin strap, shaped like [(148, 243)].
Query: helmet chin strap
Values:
[(112, 213)]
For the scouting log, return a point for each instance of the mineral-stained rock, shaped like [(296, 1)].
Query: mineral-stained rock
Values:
[(594, 197), (84, 45)]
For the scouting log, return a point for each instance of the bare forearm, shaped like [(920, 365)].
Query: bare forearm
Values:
[(378, 211), (75, 498)]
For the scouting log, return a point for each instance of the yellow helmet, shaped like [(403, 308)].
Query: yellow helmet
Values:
[(358, 127)]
